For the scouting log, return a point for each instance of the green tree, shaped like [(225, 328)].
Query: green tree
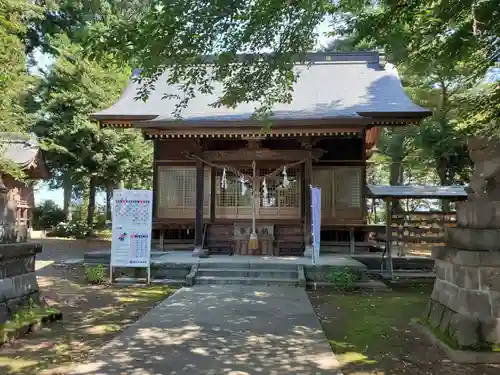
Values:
[(14, 78), (78, 150), (47, 215)]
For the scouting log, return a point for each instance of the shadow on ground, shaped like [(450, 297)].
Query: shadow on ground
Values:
[(92, 315), (371, 334), (224, 330)]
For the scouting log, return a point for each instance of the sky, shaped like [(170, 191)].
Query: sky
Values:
[(43, 192)]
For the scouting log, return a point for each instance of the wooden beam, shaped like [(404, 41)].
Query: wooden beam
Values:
[(307, 207), (363, 174), (198, 227), (155, 178), (213, 187), (388, 235)]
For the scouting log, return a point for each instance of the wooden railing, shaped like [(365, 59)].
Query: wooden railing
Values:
[(23, 204)]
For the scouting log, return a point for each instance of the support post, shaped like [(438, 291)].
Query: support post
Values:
[(198, 228), (352, 240), (307, 209), (212, 193), (162, 238), (388, 235)]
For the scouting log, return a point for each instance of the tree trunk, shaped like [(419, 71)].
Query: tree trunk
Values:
[(109, 197), (68, 191), (444, 180), (91, 206)]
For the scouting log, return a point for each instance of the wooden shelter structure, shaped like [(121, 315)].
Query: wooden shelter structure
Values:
[(217, 169), (16, 197), (390, 194)]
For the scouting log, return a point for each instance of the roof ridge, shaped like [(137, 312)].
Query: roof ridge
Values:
[(367, 57)]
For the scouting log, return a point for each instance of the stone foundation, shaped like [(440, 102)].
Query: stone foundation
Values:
[(18, 282), (465, 302)]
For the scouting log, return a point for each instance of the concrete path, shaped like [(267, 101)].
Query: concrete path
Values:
[(221, 330)]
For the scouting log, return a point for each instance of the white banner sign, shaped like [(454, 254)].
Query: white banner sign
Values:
[(131, 228), (316, 222)]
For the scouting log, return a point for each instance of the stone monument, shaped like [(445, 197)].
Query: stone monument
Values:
[(18, 283), (465, 302)]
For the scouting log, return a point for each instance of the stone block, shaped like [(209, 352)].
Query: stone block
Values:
[(6, 289), (490, 331), (473, 304), (474, 239), (480, 214), (464, 330), (489, 278), (445, 293), (495, 304), (14, 304), (466, 277), (18, 250), (466, 258), (25, 284), (427, 310), (445, 320), (436, 315), (4, 313), (440, 269)]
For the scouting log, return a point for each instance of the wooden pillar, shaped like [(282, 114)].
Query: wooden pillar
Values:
[(155, 178), (363, 175), (307, 208), (388, 235), (198, 227), (213, 188)]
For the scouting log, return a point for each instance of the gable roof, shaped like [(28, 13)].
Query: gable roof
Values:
[(25, 153), (416, 192), (337, 86)]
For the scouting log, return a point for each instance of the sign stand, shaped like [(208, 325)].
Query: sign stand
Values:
[(316, 226), (131, 230)]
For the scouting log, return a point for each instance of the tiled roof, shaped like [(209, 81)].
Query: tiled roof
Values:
[(19, 150), (405, 192), (335, 85)]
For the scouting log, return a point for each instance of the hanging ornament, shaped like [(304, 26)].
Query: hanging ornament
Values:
[(286, 182), (243, 185), (264, 191), (223, 181)]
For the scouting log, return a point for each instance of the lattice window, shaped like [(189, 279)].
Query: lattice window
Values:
[(277, 194), (348, 187), (232, 195), (340, 191), (176, 192)]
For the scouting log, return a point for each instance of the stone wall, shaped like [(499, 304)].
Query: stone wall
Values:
[(465, 302), (18, 282)]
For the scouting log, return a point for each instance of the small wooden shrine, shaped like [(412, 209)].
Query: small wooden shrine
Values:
[(243, 190), (16, 197)]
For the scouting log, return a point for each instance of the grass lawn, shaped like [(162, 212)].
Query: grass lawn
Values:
[(92, 315), (370, 334)]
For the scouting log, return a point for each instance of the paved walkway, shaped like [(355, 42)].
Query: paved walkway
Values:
[(221, 330)]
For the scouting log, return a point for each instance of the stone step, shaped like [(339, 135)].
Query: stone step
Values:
[(409, 277), (142, 280), (249, 272), (209, 280), (256, 265)]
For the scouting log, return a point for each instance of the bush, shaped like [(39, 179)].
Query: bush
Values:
[(95, 274), (343, 280), (47, 215), (73, 229)]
